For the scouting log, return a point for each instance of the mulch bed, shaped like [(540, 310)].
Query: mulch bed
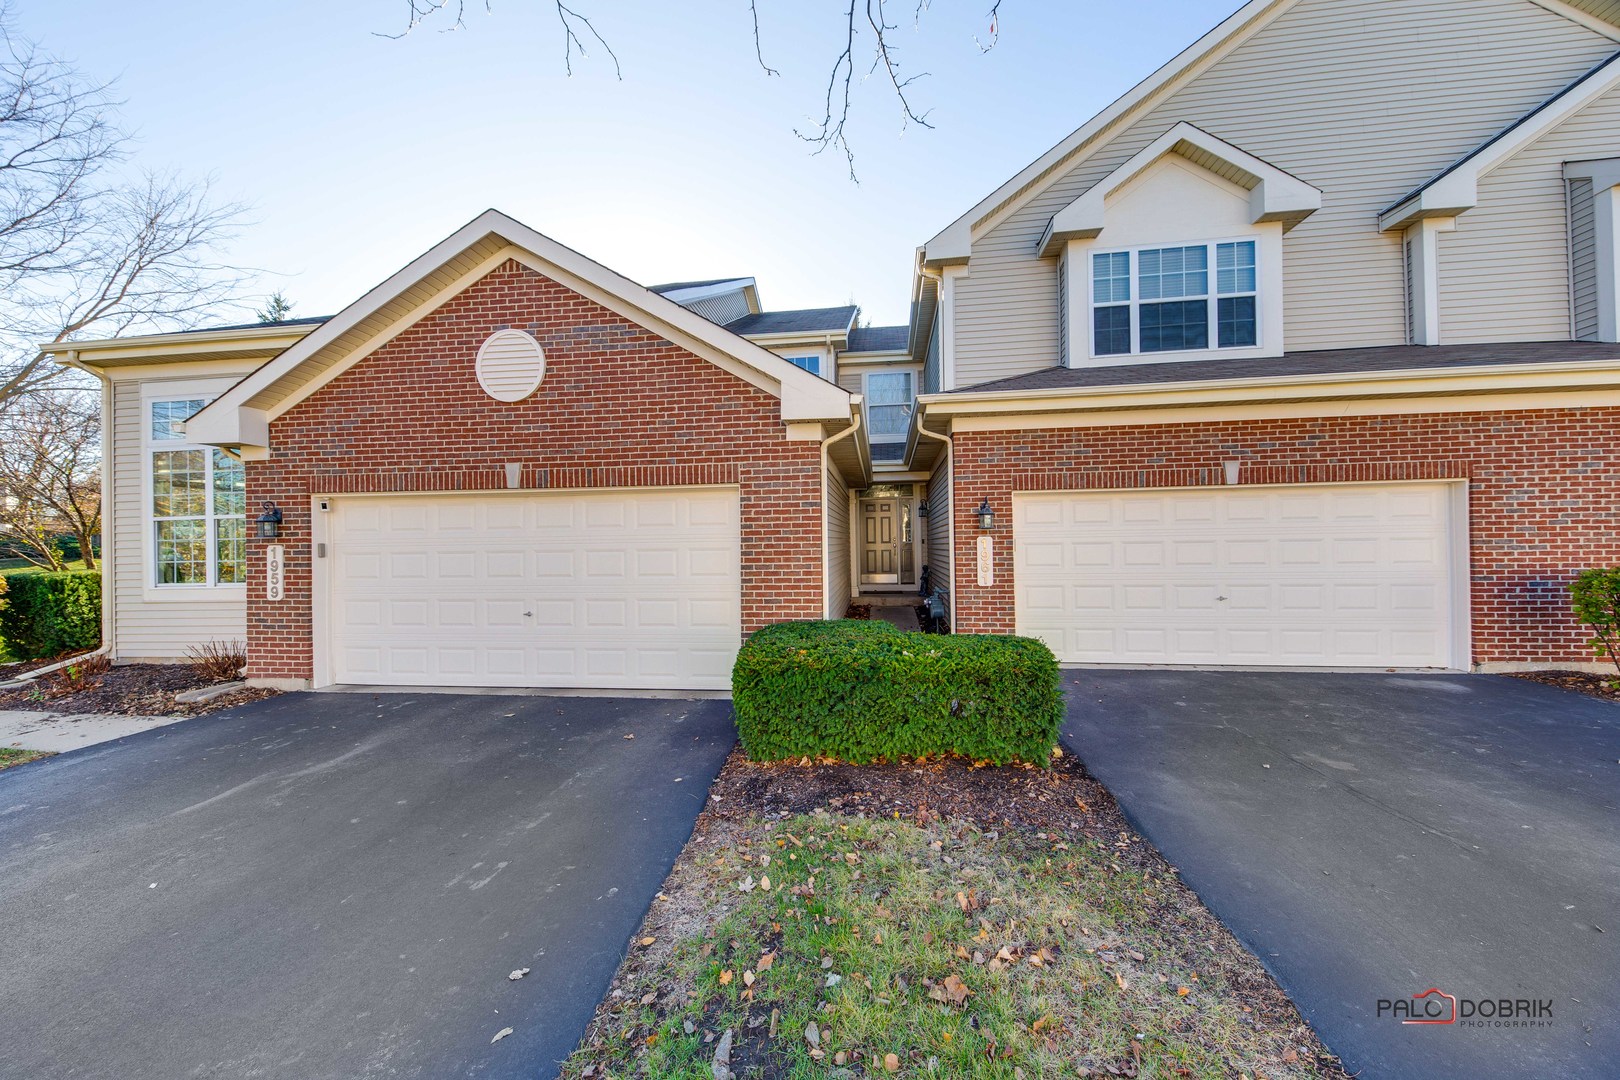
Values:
[(1606, 687), (129, 690), (859, 611), (1062, 802)]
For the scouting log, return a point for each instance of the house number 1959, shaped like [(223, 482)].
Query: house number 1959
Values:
[(275, 567)]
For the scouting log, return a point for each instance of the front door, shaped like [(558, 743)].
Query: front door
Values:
[(887, 554), (880, 542)]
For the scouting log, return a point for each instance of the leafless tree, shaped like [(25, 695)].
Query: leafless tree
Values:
[(84, 247), (869, 45), (50, 475)]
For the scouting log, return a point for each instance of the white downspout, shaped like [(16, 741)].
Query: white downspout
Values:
[(826, 524), (950, 517)]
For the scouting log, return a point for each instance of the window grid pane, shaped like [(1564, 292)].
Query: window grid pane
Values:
[(179, 483), (230, 485), (165, 414), (230, 551), (1111, 331), (1178, 325), (1167, 273), (1234, 267), (182, 552), (1111, 277), (889, 420), (889, 388), (812, 364), (1235, 314)]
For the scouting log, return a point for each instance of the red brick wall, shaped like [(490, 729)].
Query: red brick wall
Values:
[(1544, 498), (619, 407)]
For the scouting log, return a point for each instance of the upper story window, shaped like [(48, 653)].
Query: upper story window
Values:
[(812, 364), (1175, 299), (198, 503), (890, 398)]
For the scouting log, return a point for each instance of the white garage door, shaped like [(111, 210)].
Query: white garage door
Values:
[(1339, 576), (615, 590)]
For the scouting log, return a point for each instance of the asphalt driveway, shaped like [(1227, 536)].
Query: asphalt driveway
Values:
[(336, 885), (1373, 836)]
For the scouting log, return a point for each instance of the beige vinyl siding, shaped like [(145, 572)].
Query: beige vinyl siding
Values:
[(147, 627), (1583, 259), (938, 532), (836, 500), (850, 371), (1505, 272), (931, 372), (1365, 99)]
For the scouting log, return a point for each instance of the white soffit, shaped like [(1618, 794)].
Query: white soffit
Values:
[(1274, 195)]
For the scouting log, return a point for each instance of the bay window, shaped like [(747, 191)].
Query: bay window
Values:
[(1175, 299), (197, 503)]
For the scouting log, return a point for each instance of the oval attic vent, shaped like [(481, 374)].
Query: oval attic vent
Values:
[(510, 365)]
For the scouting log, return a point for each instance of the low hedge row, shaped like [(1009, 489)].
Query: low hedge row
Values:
[(863, 691), (50, 614)]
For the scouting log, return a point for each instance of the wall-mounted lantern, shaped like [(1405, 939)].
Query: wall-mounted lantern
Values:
[(269, 522), (987, 516), (922, 508)]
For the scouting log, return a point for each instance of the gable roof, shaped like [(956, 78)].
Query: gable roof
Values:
[(831, 320), (1455, 189), (953, 244), (872, 339), (242, 415), (677, 286), (1274, 195)]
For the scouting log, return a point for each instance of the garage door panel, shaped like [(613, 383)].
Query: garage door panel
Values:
[(619, 590), (1329, 576)]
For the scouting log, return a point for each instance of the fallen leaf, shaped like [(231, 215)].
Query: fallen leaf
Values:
[(725, 977), (765, 963), (748, 978), (953, 991), (499, 1035), (1182, 991), (1290, 1055), (765, 884), (812, 1034), (891, 1062)]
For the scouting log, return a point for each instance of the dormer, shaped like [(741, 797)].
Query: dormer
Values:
[(1176, 255)]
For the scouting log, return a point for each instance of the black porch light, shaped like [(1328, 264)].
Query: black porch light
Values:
[(987, 516), (269, 522)]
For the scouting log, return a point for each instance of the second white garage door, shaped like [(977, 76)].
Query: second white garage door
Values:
[(621, 590), (1333, 576)]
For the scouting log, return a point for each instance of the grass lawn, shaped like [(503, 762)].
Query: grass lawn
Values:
[(886, 939), (10, 756)]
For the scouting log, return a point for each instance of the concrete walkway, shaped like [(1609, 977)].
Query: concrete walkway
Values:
[(54, 733)]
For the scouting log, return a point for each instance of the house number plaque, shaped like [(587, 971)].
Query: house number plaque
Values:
[(987, 561), (275, 571)]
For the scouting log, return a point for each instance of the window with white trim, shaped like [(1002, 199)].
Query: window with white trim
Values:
[(197, 503), (1175, 299), (812, 364), (890, 398)]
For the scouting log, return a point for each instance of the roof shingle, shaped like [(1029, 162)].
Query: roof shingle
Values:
[(804, 320)]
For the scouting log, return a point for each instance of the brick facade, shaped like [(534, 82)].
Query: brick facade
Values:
[(1544, 498), (619, 407)]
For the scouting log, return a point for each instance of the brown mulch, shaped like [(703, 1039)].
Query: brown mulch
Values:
[(18, 668), (1606, 687), (128, 690), (859, 611), (1062, 802)]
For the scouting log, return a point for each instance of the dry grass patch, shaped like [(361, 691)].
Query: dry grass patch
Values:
[(1014, 931)]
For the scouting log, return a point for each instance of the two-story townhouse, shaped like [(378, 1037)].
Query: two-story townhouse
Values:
[(1301, 353)]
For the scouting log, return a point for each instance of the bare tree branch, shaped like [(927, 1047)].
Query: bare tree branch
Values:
[(50, 476), (759, 48)]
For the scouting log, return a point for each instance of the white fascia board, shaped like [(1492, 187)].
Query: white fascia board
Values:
[(954, 244), (1485, 379), (1457, 190), (1275, 195), (1603, 172), (803, 395), (703, 292)]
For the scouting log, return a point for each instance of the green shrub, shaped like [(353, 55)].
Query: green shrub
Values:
[(50, 614), (863, 691), (1595, 596)]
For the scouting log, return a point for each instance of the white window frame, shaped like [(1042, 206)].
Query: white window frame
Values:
[(913, 375), (151, 583), (1212, 298)]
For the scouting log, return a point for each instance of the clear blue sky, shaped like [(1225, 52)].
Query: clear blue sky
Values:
[(357, 152)]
